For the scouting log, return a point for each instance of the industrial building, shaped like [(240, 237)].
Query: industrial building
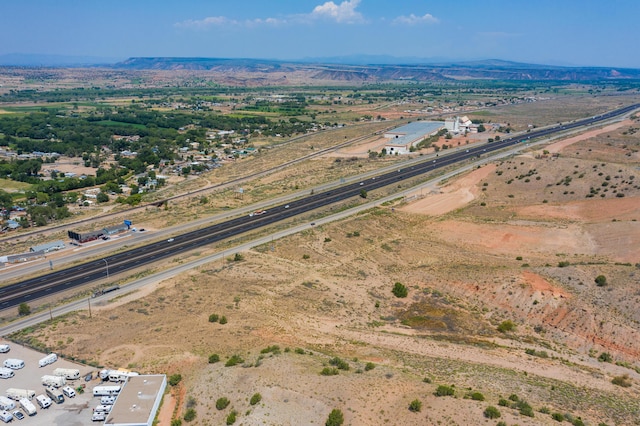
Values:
[(401, 139), (138, 401), (47, 247)]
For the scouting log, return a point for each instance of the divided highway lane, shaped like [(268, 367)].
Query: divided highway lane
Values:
[(65, 279)]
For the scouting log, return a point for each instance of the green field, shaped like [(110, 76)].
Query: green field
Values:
[(13, 186)]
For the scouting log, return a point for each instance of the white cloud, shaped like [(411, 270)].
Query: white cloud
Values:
[(344, 13), (222, 21), (416, 20)]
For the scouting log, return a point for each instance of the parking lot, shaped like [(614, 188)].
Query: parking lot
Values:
[(73, 411)]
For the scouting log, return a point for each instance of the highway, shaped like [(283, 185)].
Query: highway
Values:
[(65, 279)]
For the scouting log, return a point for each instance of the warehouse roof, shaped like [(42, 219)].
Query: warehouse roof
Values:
[(411, 132), (138, 401)]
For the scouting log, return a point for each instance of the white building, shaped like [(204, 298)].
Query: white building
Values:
[(401, 139)]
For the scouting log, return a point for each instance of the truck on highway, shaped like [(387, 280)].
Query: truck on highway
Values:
[(54, 381), (105, 290), (28, 406), (17, 394), (67, 373)]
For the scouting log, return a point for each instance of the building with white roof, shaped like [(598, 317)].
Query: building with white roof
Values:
[(401, 139), (138, 401)]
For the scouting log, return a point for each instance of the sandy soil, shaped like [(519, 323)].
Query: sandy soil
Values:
[(326, 292)]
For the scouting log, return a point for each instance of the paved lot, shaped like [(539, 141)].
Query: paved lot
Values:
[(72, 412)]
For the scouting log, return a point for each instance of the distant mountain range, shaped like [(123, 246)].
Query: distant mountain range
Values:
[(361, 68), (372, 72)]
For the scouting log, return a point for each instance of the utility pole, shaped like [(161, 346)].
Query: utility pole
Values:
[(89, 300), (107, 263)]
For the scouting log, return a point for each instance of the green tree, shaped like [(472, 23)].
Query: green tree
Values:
[(363, 193), (400, 290), (336, 418), (255, 399), (174, 379), (505, 326), (444, 390), (601, 280), (492, 412), (24, 309), (415, 406), (102, 197), (222, 403), (231, 418), (189, 415)]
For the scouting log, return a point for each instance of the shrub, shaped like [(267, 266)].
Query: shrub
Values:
[(234, 360), (329, 371), (214, 317), (231, 418), (369, 366), (605, 357), (189, 415), (222, 403), (415, 406), (213, 358), (174, 379), (223, 320), (275, 349), (623, 381), (513, 397), (503, 402), (255, 399), (557, 417), (505, 326), (525, 409), (176, 422), (399, 290), (299, 351), (444, 390), (341, 364), (563, 264), (577, 422), (24, 309), (492, 412), (336, 418), (601, 281), (477, 396)]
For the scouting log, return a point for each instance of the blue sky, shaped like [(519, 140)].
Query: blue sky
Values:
[(559, 32)]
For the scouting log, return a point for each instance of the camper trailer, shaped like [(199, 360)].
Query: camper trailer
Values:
[(106, 390), (17, 394), (49, 359), (54, 381), (55, 395), (6, 403), (14, 364), (6, 416), (28, 407), (67, 373), (43, 401), (4, 349), (6, 373)]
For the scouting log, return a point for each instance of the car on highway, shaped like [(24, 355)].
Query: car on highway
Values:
[(287, 206), (361, 183), (313, 223), (170, 240)]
